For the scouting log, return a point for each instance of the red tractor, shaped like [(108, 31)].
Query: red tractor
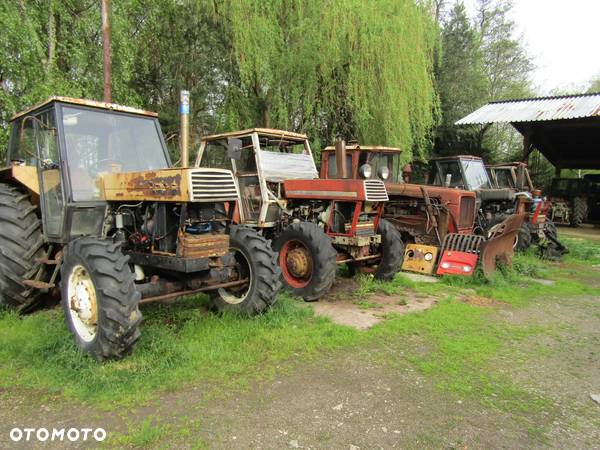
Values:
[(315, 224), (431, 219)]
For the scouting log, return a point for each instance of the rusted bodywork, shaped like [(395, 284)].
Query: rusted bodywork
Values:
[(499, 247), (170, 185), (454, 209)]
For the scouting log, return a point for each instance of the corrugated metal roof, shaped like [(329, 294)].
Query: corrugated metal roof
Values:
[(536, 109)]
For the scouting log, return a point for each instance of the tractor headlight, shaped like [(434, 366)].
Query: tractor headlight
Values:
[(383, 173), (365, 171), (428, 256)]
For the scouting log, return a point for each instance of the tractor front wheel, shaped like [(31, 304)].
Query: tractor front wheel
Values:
[(99, 298), (256, 262), (307, 260), (524, 237)]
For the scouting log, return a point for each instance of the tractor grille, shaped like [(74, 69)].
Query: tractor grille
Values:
[(212, 185), (467, 212), (375, 191)]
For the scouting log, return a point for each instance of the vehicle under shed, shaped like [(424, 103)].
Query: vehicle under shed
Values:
[(565, 129)]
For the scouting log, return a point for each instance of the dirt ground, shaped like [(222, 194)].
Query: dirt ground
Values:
[(374, 397), (586, 231)]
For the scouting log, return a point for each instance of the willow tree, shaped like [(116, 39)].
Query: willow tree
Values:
[(359, 69)]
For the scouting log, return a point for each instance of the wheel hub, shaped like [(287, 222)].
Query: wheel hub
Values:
[(83, 305), (298, 262)]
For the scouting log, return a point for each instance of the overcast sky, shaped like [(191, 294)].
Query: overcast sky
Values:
[(562, 37)]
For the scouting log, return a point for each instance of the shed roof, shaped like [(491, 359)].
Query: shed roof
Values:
[(536, 109), (565, 129)]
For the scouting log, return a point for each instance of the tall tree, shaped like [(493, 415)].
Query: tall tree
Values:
[(461, 81)]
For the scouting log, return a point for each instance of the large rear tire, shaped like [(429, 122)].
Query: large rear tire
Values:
[(21, 243), (580, 211), (99, 298), (256, 261), (307, 260)]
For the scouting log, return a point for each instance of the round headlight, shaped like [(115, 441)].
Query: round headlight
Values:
[(383, 173), (428, 256), (365, 171)]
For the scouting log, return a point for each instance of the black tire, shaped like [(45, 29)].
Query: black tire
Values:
[(580, 211), (256, 261), (117, 312), (524, 237), (393, 252), (550, 228), (321, 258), (21, 243)]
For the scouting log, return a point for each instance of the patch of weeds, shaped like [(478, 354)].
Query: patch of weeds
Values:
[(401, 302), (366, 304), (140, 436), (582, 250)]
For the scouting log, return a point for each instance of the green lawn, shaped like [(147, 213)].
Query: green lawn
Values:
[(183, 345)]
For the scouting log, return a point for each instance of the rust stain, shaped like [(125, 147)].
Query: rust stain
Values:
[(151, 185)]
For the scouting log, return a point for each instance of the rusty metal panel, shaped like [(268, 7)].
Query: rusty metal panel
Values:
[(420, 258), (155, 185), (26, 175), (203, 245), (335, 189), (536, 109)]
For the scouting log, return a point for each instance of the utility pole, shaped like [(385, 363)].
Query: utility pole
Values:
[(106, 49)]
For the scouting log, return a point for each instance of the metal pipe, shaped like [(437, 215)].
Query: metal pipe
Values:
[(184, 134), (106, 50), (362, 258), (193, 291), (340, 158)]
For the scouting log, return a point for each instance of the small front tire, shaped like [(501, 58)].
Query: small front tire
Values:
[(99, 298)]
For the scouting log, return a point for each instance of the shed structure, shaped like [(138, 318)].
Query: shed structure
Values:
[(565, 129)]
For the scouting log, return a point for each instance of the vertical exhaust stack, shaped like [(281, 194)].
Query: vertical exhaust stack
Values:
[(184, 133), (340, 158)]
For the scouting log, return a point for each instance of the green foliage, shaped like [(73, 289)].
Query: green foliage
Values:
[(359, 69)]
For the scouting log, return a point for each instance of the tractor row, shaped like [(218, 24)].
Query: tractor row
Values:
[(92, 211)]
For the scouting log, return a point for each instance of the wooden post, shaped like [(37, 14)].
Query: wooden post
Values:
[(106, 50)]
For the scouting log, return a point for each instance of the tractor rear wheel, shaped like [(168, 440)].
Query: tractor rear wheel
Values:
[(307, 260), (99, 298), (580, 211), (256, 261), (21, 243)]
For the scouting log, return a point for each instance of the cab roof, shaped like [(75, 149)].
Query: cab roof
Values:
[(452, 158), (367, 148), (269, 132), (85, 102)]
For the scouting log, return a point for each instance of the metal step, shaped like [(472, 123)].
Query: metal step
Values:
[(37, 284)]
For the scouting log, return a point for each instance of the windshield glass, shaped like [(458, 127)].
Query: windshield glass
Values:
[(504, 177), (389, 160), (448, 169), (105, 141), (283, 159), (476, 176)]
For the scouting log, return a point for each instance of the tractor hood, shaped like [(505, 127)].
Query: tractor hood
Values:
[(336, 189), (171, 185)]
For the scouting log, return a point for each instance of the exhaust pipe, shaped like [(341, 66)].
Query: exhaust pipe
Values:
[(340, 158), (184, 133)]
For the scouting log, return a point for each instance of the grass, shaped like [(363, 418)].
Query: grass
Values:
[(182, 345)]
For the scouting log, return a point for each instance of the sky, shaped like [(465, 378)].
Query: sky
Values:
[(562, 38)]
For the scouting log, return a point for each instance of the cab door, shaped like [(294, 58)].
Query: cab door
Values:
[(49, 168)]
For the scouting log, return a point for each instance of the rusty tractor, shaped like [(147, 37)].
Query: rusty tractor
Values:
[(436, 222), (315, 224), (91, 209)]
